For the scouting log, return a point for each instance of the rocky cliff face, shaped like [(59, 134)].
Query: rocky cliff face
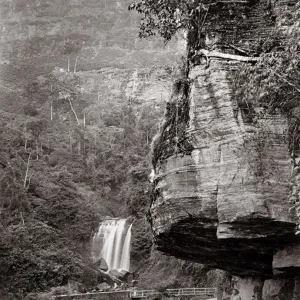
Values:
[(226, 200), (223, 181)]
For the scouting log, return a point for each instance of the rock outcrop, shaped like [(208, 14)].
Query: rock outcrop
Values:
[(226, 200), (223, 180)]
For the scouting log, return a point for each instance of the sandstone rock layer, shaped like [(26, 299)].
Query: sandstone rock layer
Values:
[(225, 203), (224, 199)]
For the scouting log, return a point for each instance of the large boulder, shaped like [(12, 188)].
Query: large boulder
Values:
[(122, 275), (101, 264), (115, 273)]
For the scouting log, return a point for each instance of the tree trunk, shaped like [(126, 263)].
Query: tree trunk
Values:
[(70, 143), (51, 111), (98, 96), (147, 136), (75, 64), (71, 105), (216, 54), (25, 138), (78, 146), (26, 173), (25, 142), (70, 136), (68, 63), (37, 149)]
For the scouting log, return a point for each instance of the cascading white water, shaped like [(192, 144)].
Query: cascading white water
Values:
[(118, 244), (108, 250), (112, 242), (125, 259)]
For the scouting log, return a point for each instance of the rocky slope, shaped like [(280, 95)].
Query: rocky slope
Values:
[(222, 179)]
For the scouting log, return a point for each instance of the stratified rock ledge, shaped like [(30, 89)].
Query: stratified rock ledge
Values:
[(225, 204)]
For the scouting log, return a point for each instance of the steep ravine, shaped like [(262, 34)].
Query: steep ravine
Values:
[(222, 182)]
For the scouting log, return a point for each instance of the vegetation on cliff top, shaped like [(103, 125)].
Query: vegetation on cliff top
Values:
[(272, 85), (167, 17)]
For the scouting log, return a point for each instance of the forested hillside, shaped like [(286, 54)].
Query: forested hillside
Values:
[(226, 160), (80, 100)]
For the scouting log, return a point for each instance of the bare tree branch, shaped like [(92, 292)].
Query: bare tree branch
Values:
[(216, 54), (27, 169)]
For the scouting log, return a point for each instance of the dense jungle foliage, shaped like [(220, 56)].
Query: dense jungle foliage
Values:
[(75, 136), (166, 17), (58, 178)]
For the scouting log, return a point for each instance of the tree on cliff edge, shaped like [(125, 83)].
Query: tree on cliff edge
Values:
[(166, 17)]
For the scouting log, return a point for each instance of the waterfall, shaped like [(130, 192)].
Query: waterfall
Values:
[(125, 259), (108, 249), (112, 242), (118, 244)]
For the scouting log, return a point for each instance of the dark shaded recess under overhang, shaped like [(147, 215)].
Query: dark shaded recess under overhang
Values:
[(242, 257)]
